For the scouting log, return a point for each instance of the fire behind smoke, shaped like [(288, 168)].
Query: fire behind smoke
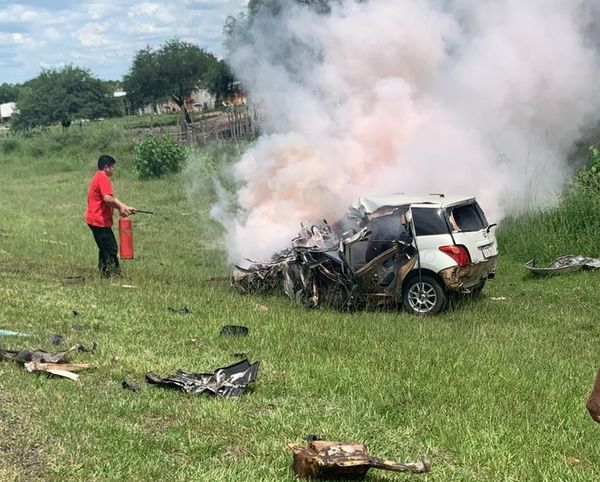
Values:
[(482, 97)]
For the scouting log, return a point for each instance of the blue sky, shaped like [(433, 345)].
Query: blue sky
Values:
[(102, 35)]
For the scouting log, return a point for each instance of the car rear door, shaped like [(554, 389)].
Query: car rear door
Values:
[(471, 229)]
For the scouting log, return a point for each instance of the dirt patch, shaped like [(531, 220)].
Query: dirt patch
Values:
[(21, 457)]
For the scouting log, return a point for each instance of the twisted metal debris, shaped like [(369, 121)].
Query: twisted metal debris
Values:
[(564, 264), (314, 270)]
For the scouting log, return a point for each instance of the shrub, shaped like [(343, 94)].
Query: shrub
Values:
[(9, 145), (156, 156), (588, 178)]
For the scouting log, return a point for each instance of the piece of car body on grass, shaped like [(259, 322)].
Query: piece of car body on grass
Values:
[(411, 250)]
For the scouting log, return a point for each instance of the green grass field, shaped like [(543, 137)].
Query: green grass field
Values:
[(493, 389)]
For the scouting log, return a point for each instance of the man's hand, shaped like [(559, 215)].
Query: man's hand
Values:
[(126, 210)]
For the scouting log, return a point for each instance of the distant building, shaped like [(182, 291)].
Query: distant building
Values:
[(7, 110)]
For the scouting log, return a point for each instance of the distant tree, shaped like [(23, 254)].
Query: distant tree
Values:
[(9, 93), (62, 95), (142, 82), (173, 71), (218, 79)]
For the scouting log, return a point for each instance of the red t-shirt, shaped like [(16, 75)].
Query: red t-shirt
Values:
[(99, 213)]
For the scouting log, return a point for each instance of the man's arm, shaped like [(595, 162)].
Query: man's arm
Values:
[(113, 202)]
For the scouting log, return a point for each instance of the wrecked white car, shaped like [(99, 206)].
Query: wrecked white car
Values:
[(396, 250)]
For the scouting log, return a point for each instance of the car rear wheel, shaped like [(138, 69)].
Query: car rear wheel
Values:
[(424, 295)]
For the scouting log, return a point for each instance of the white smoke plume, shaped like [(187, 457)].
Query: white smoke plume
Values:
[(482, 97)]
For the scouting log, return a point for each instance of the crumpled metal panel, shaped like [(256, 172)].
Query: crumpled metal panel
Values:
[(322, 459), (26, 356), (230, 381), (564, 264)]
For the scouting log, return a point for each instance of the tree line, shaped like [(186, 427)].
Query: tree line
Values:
[(171, 72)]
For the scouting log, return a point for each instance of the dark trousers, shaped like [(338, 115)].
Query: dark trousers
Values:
[(108, 262)]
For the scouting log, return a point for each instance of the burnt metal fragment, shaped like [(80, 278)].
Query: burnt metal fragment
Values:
[(321, 459), (564, 264), (25, 356), (230, 381), (234, 330), (49, 362)]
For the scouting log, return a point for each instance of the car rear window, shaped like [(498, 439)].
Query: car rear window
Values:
[(429, 221), (468, 217)]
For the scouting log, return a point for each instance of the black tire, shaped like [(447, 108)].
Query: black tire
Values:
[(430, 300)]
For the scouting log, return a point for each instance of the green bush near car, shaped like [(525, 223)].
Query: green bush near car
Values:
[(155, 156)]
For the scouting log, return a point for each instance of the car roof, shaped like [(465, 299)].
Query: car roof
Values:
[(369, 204)]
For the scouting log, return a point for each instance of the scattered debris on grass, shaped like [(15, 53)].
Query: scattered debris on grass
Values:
[(234, 330), (321, 459), (128, 286), (499, 298), (184, 310), (564, 264), (49, 362), (263, 308), (74, 280), (130, 386), (56, 339), (593, 401), (312, 438), (230, 381), (79, 328), (74, 313), (13, 333)]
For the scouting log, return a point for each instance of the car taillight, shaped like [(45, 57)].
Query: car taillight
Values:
[(458, 253)]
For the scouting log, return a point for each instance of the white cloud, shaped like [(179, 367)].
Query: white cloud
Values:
[(17, 13), (93, 34), (51, 33), (16, 39), (156, 11)]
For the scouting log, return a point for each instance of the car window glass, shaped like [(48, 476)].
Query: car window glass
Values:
[(429, 221), (469, 217)]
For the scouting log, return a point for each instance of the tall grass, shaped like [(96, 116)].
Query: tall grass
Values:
[(59, 149), (572, 227)]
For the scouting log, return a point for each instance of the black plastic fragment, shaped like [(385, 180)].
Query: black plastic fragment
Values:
[(312, 437), (130, 386), (234, 330), (56, 339)]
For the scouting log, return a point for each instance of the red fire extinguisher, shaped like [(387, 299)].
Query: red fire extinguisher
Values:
[(126, 237)]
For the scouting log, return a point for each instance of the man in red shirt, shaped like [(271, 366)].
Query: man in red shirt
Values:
[(99, 216)]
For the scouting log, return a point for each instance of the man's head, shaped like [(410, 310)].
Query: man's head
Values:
[(107, 164)]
